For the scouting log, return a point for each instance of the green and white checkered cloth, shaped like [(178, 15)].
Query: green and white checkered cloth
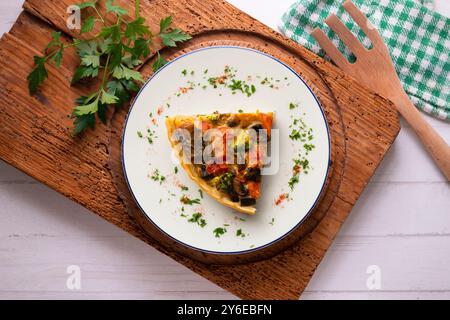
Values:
[(417, 37)]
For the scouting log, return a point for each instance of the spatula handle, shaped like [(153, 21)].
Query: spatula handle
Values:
[(434, 143)]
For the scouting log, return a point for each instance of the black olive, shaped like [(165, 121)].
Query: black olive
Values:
[(240, 188), (253, 174), (232, 122), (256, 126), (234, 197), (262, 138), (204, 173), (247, 202)]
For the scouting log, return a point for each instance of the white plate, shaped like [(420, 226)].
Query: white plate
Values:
[(160, 202)]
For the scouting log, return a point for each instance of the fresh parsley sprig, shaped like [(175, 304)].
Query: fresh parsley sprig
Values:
[(111, 55)]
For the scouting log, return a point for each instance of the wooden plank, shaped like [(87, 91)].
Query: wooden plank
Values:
[(373, 214), (67, 225), (208, 295), (56, 214), (9, 12), (108, 295), (377, 295), (426, 251), (11, 175), (102, 271), (407, 160), (79, 169)]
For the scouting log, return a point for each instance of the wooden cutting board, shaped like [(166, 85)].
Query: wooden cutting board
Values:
[(35, 133)]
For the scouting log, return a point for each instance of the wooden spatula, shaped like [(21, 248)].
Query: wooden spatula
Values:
[(374, 69)]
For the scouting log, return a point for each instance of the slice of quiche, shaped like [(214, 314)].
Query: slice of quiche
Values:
[(224, 154)]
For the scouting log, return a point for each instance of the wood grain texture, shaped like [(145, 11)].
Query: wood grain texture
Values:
[(39, 142)]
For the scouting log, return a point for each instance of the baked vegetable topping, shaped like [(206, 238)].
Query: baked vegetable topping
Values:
[(231, 154)]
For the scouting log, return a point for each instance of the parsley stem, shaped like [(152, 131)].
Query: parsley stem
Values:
[(106, 73), (99, 15), (108, 59)]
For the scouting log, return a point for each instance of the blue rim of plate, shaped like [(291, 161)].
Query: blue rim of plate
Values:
[(252, 250)]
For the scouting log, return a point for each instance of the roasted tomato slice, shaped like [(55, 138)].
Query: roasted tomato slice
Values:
[(216, 169), (267, 122), (253, 189), (206, 125)]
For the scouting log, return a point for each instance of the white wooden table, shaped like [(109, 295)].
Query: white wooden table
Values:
[(401, 224)]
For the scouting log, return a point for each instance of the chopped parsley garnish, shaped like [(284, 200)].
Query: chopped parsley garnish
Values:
[(309, 147), (185, 200), (228, 80), (197, 218), (205, 72), (213, 81), (200, 191), (301, 163), (236, 85), (241, 111), (300, 132), (272, 222), (157, 177), (294, 180), (239, 233), (175, 170), (184, 72), (184, 188), (240, 85), (295, 135), (292, 106), (151, 135), (139, 134), (218, 232)]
